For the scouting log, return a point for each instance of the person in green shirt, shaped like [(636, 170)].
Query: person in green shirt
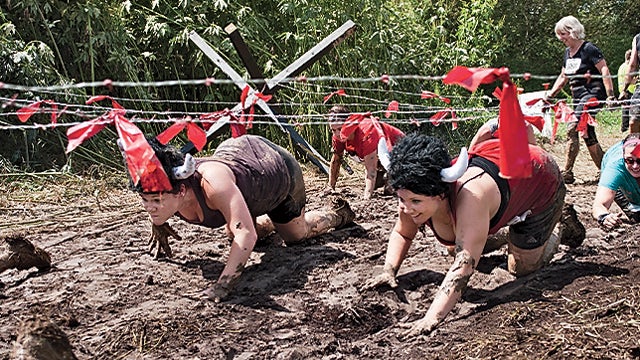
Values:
[(622, 72)]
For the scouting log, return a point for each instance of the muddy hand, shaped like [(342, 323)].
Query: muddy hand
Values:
[(423, 326), (329, 191), (218, 292), (387, 277), (160, 238), (611, 221)]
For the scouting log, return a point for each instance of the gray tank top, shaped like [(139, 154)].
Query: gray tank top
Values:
[(261, 175)]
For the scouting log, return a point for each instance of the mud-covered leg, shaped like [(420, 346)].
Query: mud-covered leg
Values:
[(19, 253), (314, 223), (42, 339)]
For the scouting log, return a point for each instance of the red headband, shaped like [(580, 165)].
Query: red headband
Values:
[(142, 162), (635, 142)]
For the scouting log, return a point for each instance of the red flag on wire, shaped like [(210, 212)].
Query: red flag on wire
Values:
[(26, 112), (243, 98), (237, 128), (142, 163), (471, 78), (195, 134), (537, 121), (431, 95), (393, 107), (586, 118), (339, 92), (437, 117), (515, 161)]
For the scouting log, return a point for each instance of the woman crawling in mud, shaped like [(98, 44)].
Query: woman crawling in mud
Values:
[(619, 182), (246, 177), (464, 203)]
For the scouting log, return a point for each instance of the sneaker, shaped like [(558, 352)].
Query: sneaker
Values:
[(568, 178), (573, 232), (345, 215), (17, 252)]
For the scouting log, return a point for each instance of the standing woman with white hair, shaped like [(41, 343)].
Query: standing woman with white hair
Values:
[(585, 69)]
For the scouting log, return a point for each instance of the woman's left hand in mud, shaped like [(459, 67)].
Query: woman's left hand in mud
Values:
[(423, 326)]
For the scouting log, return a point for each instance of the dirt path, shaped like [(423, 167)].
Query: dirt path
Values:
[(115, 301)]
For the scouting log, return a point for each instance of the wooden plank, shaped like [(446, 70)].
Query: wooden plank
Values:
[(312, 55), (243, 50), (241, 83), (237, 79)]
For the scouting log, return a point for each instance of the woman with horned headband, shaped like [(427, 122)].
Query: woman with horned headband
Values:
[(619, 182), (462, 204), (246, 177)]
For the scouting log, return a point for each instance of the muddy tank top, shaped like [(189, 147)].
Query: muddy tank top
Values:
[(261, 175)]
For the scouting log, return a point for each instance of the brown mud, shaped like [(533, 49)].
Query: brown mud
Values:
[(114, 301)]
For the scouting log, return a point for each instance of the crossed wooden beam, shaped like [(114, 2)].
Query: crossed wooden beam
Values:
[(271, 85)]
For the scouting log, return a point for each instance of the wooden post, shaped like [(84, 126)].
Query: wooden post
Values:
[(271, 85)]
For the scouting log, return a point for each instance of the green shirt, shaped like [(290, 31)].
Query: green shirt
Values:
[(622, 72)]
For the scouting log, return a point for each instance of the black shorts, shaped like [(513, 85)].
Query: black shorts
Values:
[(581, 95), (291, 207), (535, 230)]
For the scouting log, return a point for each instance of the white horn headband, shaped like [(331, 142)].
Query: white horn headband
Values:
[(455, 171), (383, 154), (185, 170)]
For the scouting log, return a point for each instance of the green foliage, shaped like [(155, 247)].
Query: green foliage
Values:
[(45, 42), (532, 46)]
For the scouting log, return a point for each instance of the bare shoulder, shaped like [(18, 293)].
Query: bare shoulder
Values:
[(476, 188), (215, 176)]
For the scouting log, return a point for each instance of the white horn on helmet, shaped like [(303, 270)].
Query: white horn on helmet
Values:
[(455, 171), (383, 154), (185, 170)]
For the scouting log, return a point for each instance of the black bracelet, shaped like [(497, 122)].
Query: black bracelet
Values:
[(601, 218)]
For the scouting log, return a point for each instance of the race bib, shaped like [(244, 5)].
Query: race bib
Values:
[(572, 66)]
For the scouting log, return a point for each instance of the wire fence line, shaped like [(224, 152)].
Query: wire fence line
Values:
[(413, 108)]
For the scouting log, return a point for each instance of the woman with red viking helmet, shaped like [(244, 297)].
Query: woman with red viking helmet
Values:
[(360, 135), (619, 182), (246, 177), (462, 204)]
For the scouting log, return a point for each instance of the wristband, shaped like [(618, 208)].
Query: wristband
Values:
[(601, 218)]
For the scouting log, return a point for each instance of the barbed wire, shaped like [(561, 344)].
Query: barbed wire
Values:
[(407, 112)]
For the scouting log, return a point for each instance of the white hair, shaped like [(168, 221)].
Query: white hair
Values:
[(572, 26)]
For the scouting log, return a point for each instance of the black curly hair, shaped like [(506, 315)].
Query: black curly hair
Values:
[(416, 161), (169, 157)]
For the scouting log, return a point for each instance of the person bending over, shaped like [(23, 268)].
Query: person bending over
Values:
[(359, 139), (619, 183), (246, 177), (462, 204)]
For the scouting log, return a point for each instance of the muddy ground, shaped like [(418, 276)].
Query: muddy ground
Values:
[(114, 301)]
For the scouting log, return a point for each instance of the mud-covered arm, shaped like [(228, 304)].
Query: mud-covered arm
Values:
[(400, 239), (334, 169), (630, 78), (370, 173), (472, 227), (560, 82), (601, 205), (606, 77), (222, 192)]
